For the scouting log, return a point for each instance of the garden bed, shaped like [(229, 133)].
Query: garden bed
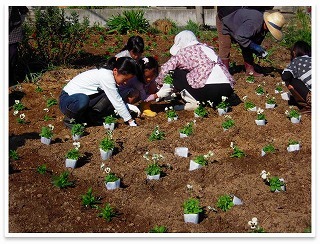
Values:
[(37, 206)]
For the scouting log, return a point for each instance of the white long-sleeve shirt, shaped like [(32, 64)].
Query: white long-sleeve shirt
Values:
[(91, 81)]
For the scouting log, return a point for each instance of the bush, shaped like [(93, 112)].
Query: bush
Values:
[(131, 20), (53, 38)]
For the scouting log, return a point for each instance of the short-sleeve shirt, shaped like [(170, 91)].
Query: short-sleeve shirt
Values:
[(300, 68)]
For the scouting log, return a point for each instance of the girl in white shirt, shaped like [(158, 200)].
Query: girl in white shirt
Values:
[(90, 95)]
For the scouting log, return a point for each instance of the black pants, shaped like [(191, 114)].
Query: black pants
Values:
[(299, 86), (210, 92)]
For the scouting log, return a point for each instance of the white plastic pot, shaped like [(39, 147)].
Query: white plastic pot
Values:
[(113, 185), (285, 96), (45, 140), (270, 106), (153, 177), (292, 148), (222, 111), (181, 151), (237, 201), (260, 121), (109, 126), (193, 165), (191, 218), (76, 137), (295, 120), (254, 109), (71, 163), (105, 154), (172, 119), (183, 135)]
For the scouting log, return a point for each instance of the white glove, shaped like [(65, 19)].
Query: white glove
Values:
[(164, 92), (133, 123), (134, 108), (150, 98)]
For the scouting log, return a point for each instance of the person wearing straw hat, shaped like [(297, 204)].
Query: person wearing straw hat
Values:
[(248, 27)]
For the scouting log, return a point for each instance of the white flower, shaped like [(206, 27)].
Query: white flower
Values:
[(84, 124), (76, 145), (227, 116), (245, 97), (51, 126), (283, 83), (16, 101), (22, 116), (145, 60), (223, 98), (260, 111), (264, 175), (107, 170), (253, 223), (102, 166), (286, 112), (189, 187), (231, 145), (166, 109), (15, 112), (171, 107), (46, 109), (72, 120)]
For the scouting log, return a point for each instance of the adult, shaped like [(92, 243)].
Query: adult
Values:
[(17, 15), (247, 27), (92, 94), (198, 73)]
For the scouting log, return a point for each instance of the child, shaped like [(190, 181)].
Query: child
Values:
[(297, 75), (145, 88), (134, 48), (93, 93)]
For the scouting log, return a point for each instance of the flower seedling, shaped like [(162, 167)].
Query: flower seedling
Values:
[(254, 226), (269, 148), (78, 129), (223, 104), (156, 134), (292, 142), (159, 229), (62, 181), (293, 113), (191, 206), (260, 90), (51, 102), (89, 200), (153, 169), (18, 106), (13, 154), (278, 88), (187, 129), (271, 100), (107, 142), (228, 123), (250, 79), (21, 119), (110, 119), (201, 111), (47, 131), (260, 114), (225, 203), (42, 169), (111, 177), (249, 105), (237, 152), (107, 212), (46, 116), (203, 159), (74, 152), (170, 113), (168, 79), (275, 184)]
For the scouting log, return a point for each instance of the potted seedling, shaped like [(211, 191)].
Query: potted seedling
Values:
[(73, 155), (249, 105), (46, 134), (77, 131), (276, 184), (201, 111), (278, 88), (237, 152), (191, 210), (250, 79), (156, 134), (171, 114), (225, 202), (294, 115), (223, 106), (111, 181), (199, 161), (261, 117), (228, 123), (186, 130), (168, 80), (293, 145), (106, 146), (267, 149), (259, 90), (270, 102), (109, 122), (153, 170)]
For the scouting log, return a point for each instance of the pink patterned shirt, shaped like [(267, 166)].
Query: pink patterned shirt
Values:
[(193, 59)]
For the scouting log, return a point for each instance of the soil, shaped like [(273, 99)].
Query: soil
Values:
[(35, 205)]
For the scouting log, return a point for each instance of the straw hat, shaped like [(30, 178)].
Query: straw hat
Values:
[(274, 22)]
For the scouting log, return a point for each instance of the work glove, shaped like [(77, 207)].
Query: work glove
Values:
[(134, 109), (132, 123), (150, 98), (164, 92), (258, 50)]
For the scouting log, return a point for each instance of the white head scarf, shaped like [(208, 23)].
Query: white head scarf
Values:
[(183, 39)]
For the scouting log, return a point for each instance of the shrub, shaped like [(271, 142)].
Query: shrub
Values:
[(131, 20)]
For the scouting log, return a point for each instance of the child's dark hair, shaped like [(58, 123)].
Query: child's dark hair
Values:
[(134, 44), (299, 49), (124, 65), (147, 63)]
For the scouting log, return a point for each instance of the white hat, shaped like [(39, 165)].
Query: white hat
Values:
[(183, 39), (274, 22)]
